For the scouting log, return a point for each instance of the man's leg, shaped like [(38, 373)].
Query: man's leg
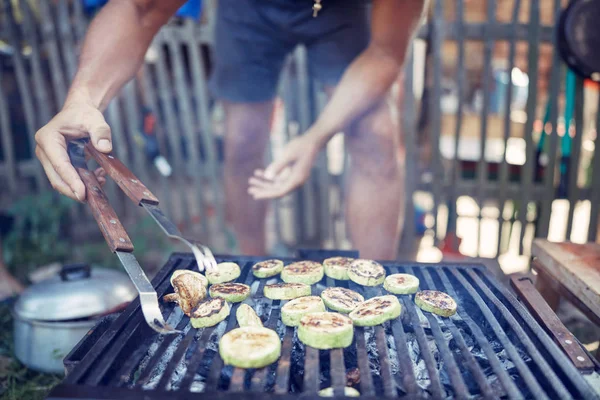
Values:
[(247, 127), (375, 195)]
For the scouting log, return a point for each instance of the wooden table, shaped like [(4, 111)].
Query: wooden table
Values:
[(569, 270)]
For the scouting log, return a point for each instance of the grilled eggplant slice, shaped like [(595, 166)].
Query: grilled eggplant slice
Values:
[(225, 272), (326, 330), (337, 267), (348, 392), (189, 290), (286, 291), (250, 347), (198, 275), (341, 299), (376, 311), (366, 272), (246, 316), (401, 284), (308, 272), (293, 311), (267, 268), (231, 291), (209, 313), (436, 302)]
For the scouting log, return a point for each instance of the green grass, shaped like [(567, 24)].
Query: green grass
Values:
[(17, 382)]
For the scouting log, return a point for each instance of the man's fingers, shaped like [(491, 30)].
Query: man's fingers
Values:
[(55, 180), (276, 189), (276, 166), (99, 132), (55, 149)]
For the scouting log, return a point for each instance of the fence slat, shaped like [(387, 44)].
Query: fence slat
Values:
[(24, 87), (170, 117), (207, 137), (573, 171), (67, 43), (595, 183), (190, 134), (56, 69), (80, 19), (7, 142), (460, 82), (552, 137), (437, 39), (532, 69), (150, 100), (40, 88), (503, 177)]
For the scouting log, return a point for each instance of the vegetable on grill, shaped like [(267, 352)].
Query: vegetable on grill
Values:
[(209, 313), (326, 330), (376, 311), (198, 275), (436, 302), (286, 291), (341, 299), (293, 311), (250, 347), (225, 272), (232, 292), (246, 316), (401, 284), (366, 272), (267, 268), (337, 267), (189, 291), (308, 272)]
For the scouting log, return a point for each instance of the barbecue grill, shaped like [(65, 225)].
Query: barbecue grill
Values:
[(492, 348)]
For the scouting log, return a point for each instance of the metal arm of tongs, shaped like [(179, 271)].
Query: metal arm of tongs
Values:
[(141, 195), (118, 240)]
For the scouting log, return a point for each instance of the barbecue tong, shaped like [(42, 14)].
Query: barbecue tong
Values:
[(113, 231)]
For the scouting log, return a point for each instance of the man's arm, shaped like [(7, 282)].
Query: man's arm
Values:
[(364, 84), (112, 53), (370, 76)]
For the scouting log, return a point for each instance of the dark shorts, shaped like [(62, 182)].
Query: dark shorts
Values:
[(253, 38)]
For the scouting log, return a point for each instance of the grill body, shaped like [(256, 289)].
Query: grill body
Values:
[(491, 348)]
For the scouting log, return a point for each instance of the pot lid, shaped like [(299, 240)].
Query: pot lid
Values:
[(78, 291)]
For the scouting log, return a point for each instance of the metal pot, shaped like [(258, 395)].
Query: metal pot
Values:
[(52, 316)]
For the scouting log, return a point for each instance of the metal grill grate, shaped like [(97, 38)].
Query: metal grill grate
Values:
[(491, 348)]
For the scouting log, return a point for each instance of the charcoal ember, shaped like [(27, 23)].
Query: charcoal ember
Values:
[(352, 377)]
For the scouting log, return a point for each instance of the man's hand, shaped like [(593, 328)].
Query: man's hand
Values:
[(288, 171), (76, 120)]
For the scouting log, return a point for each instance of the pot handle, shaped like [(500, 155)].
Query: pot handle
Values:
[(71, 272)]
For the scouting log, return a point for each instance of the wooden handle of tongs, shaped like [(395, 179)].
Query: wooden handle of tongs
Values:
[(127, 181)]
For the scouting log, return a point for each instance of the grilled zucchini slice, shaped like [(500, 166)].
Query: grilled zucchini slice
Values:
[(337, 267), (341, 299), (366, 272), (198, 275), (267, 268), (376, 311), (348, 392), (246, 316), (436, 302), (286, 291), (209, 313), (293, 311), (225, 272), (326, 330), (401, 284), (231, 291), (308, 272), (250, 347)]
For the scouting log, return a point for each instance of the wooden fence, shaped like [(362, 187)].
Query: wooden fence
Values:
[(448, 130)]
